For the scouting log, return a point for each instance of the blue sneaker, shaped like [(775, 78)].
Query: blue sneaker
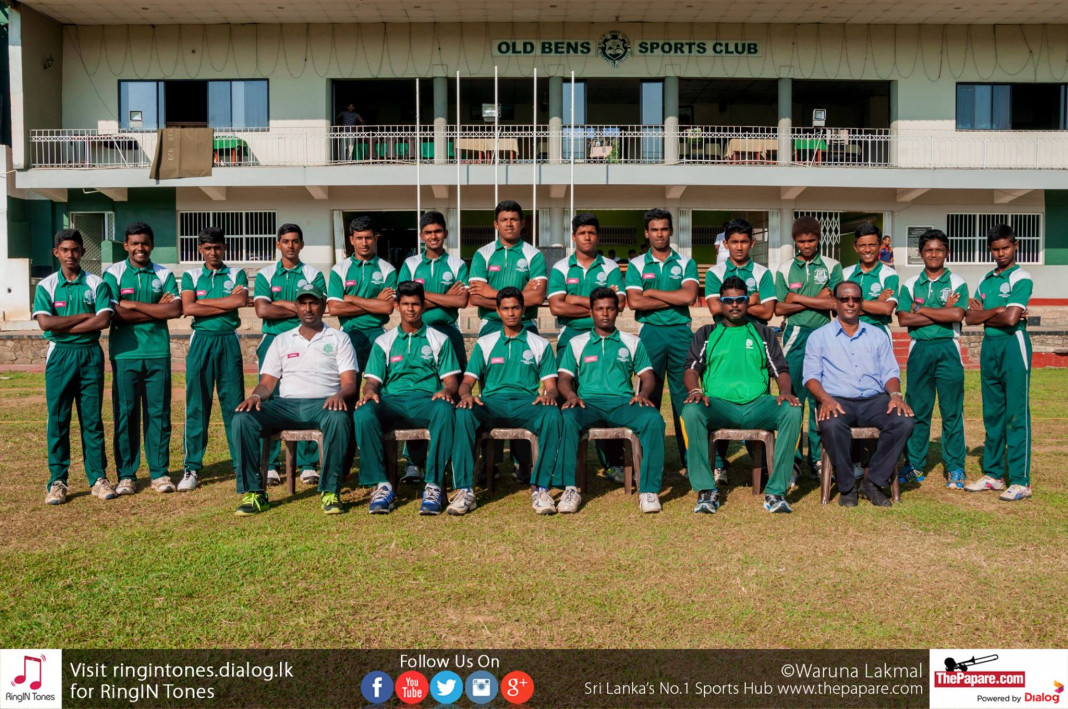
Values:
[(431, 501), (909, 474), (956, 479), (707, 502), (382, 500), (777, 504)]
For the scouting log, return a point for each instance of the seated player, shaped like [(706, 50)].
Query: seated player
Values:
[(596, 370), (726, 375), (410, 382), (511, 366)]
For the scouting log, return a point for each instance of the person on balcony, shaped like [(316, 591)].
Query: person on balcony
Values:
[(1000, 306), (275, 301), (661, 287), (803, 287), (850, 369), (346, 124)]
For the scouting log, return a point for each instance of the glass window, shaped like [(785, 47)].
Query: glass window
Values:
[(249, 104), (220, 114), (139, 105), (987, 107)]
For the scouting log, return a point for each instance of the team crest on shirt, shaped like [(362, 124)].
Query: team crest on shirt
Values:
[(376, 277), (300, 284), (1005, 290), (623, 355), (522, 266), (446, 277), (228, 285), (676, 271), (820, 275), (528, 357), (89, 297), (751, 283), (748, 344), (328, 349), (157, 285), (426, 353), (602, 278), (874, 289), (945, 294)]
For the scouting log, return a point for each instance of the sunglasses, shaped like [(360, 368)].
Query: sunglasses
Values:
[(734, 299), (850, 299)]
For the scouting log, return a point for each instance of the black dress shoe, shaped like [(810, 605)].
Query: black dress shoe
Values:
[(848, 499), (873, 493)]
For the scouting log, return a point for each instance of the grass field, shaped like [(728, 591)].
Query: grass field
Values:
[(942, 569)]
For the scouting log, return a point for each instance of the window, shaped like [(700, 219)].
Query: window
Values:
[(250, 236), (967, 236), (238, 105), (1012, 106)]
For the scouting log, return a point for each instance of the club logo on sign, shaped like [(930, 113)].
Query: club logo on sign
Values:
[(614, 47)]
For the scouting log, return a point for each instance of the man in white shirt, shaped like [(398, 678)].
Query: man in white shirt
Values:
[(314, 369)]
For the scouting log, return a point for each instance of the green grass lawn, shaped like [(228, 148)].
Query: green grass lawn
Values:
[(942, 569)]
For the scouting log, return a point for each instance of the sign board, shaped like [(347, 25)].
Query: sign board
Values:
[(615, 47), (914, 234)]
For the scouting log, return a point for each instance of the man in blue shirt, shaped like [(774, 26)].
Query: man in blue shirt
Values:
[(851, 371)]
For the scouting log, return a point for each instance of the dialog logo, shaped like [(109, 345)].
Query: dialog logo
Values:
[(31, 679), (446, 687), (377, 687), (481, 687), (412, 687)]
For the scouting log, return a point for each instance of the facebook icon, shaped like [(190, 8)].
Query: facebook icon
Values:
[(377, 687)]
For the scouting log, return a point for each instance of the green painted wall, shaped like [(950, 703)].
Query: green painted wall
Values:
[(31, 225), (1056, 227), (156, 206)]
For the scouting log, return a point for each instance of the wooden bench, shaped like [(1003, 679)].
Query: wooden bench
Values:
[(827, 471), (745, 434), (484, 443), (632, 455), (290, 437), (391, 438)]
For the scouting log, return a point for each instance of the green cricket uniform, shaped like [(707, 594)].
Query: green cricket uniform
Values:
[(1005, 372), (805, 278), (74, 373), (758, 279), (276, 282), (410, 368), (141, 367), (872, 284), (568, 277), (665, 333), (214, 361), (510, 371), (935, 367), (735, 364), (603, 368), (438, 276), (503, 266), (363, 279)]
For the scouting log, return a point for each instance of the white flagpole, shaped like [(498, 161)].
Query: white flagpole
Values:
[(534, 167), (572, 139), (456, 147), (496, 138), (418, 167)]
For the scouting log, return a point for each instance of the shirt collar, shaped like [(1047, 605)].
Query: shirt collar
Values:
[(78, 280), (283, 269), (521, 337), (923, 277), (427, 259), (373, 261), (598, 260), (594, 337), (498, 245), (673, 255), (1003, 274), (421, 332), (731, 266), (221, 270), (147, 269), (817, 260), (862, 327), (874, 272)]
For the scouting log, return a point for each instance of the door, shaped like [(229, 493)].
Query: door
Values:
[(95, 228)]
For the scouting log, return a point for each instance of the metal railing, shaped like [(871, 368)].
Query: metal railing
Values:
[(624, 144)]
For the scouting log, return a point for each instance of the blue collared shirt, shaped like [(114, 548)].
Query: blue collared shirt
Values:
[(851, 367)]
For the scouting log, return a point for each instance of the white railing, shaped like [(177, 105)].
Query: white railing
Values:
[(624, 144)]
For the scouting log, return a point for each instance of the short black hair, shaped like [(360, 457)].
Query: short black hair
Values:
[(288, 228), (999, 232), (410, 288), (657, 213), (603, 293), (867, 229), (69, 235), (432, 217), (507, 205), (139, 228), (934, 235), (738, 226), (806, 225), (362, 223), (585, 219), (211, 235), (848, 283), (733, 283), (510, 292)]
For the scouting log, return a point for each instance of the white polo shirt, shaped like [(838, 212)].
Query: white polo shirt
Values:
[(309, 369)]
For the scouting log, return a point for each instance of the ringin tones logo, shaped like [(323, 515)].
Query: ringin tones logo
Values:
[(31, 679)]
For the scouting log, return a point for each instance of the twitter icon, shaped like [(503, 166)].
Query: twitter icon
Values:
[(446, 687)]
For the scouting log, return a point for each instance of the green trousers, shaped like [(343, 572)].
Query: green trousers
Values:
[(512, 410), (74, 375), (1005, 373), (935, 368), (794, 340), (142, 387), (278, 414), (615, 411), (307, 451), (396, 411), (667, 346), (520, 449), (609, 453), (764, 413), (213, 363), (415, 451), (362, 341)]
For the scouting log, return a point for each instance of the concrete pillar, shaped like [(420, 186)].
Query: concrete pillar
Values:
[(556, 119), (786, 107), (558, 220), (671, 120), (441, 119), (893, 123)]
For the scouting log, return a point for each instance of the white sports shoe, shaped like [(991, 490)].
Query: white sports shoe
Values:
[(188, 481), (309, 476), (649, 502), (1015, 492), (569, 501), (985, 483), (462, 502), (543, 502), (273, 478)]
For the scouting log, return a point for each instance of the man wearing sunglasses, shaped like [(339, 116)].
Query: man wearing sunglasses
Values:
[(851, 371), (727, 373)]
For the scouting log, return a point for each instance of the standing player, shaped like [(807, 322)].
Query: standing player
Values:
[(878, 282), (212, 294), (275, 296), (661, 287), (931, 306), (804, 288), (1005, 369), (145, 297), (72, 307)]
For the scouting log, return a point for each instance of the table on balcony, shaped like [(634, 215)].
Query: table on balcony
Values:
[(764, 148), (815, 146), (232, 143), (484, 146)]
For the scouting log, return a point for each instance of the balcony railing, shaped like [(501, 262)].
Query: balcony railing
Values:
[(599, 144)]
